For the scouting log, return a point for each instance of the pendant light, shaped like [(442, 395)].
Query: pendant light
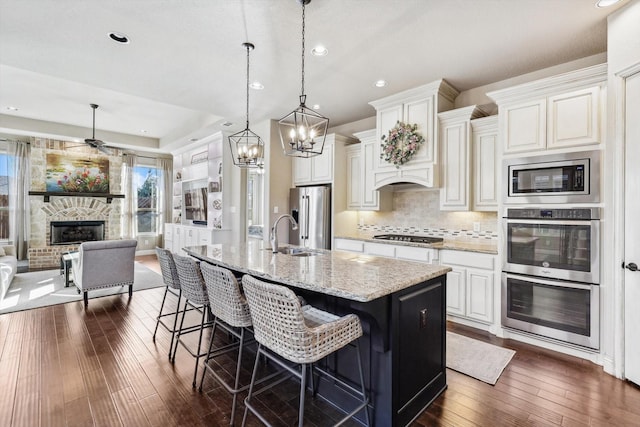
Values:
[(247, 148), (303, 131)]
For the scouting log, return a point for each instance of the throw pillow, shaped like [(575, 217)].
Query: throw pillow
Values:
[(2, 253)]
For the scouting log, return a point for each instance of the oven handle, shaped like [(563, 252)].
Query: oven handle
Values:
[(551, 222), (573, 285)]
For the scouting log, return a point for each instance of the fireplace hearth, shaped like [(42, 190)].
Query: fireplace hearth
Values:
[(70, 232)]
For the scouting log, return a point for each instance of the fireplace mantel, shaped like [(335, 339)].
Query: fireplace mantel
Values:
[(48, 194)]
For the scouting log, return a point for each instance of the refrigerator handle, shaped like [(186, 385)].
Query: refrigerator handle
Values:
[(306, 218)]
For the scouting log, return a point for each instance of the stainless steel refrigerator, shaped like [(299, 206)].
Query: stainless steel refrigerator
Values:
[(311, 208)]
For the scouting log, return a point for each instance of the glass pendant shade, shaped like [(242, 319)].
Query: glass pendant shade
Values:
[(303, 131), (247, 148)]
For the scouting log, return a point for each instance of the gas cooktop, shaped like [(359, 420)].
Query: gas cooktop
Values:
[(408, 238)]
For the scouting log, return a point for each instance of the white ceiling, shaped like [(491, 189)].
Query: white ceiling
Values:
[(183, 73)]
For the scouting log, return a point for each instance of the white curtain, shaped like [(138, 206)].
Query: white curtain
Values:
[(19, 183), (128, 223)]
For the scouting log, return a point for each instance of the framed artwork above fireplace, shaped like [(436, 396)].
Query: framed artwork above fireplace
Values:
[(68, 173)]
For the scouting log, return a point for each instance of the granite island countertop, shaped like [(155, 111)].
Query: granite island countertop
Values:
[(342, 274), (485, 246)]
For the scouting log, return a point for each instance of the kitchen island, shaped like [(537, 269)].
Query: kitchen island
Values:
[(401, 305)]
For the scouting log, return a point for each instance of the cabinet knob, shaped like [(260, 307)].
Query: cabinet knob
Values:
[(632, 266)]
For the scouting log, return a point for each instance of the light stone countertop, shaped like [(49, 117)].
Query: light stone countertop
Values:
[(485, 246), (347, 275)]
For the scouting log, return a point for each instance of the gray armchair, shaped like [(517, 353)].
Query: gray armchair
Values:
[(104, 264)]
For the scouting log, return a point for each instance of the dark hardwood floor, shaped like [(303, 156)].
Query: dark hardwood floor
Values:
[(67, 366)]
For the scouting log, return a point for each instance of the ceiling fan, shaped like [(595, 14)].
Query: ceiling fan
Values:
[(96, 143)]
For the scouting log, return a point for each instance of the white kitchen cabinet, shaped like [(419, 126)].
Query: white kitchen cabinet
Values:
[(317, 169), (574, 118), (470, 284), (552, 113), (484, 133), (412, 253), (361, 161), (354, 179), (168, 236), (348, 245), (390, 250), (380, 249), (455, 145), (418, 106)]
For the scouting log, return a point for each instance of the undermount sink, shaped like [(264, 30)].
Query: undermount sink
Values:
[(301, 252)]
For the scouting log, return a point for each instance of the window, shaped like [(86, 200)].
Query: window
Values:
[(4, 196), (147, 181)]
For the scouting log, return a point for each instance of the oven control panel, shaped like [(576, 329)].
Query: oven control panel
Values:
[(532, 213)]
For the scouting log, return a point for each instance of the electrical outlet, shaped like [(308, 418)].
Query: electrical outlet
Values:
[(476, 226), (275, 209), (146, 242)]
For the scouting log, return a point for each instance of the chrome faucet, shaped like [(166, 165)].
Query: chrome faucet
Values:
[(274, 231)]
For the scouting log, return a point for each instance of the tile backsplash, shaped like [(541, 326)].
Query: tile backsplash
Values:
[(418, 212)]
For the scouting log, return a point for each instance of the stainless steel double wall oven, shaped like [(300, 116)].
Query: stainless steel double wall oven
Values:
[(551, 262)]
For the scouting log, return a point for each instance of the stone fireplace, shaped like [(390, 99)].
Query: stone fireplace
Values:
[(68, 208)]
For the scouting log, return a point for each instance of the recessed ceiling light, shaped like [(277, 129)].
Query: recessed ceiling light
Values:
[(606, 3), (193, 139), (119, 37), (227, 124), (143, 130), (10, 108), (256, 86), (316, 106), (380, 83), (319, 50)]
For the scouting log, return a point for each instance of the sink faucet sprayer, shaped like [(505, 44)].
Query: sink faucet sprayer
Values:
[(274, 231)]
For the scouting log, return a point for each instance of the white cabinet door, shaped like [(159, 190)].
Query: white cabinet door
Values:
[(205, 236), (348, 245), (421, 113), (456, 291), (479, 295), (354, 182), (574, 118), (415, 254), (379, 249), (370, 196), (322, 166), (524, 126), (485, 146), (301, 170), (386, 119), (454, 194)]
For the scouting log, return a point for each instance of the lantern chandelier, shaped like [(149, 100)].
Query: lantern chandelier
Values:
[(303, 131), (247, 148)]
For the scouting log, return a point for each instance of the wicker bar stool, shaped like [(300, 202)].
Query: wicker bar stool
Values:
[(172, 282), (299, 334), (195, 294), (231, 313)]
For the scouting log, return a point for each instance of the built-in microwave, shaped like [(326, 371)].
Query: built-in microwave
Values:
[(553, 178)]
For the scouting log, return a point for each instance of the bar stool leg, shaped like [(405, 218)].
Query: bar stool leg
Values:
[(175, 322), (175, 349), (213, 335), (365, 397), (166, 290), (251, 384), (237, 382), (303, 385), (195, 372)]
